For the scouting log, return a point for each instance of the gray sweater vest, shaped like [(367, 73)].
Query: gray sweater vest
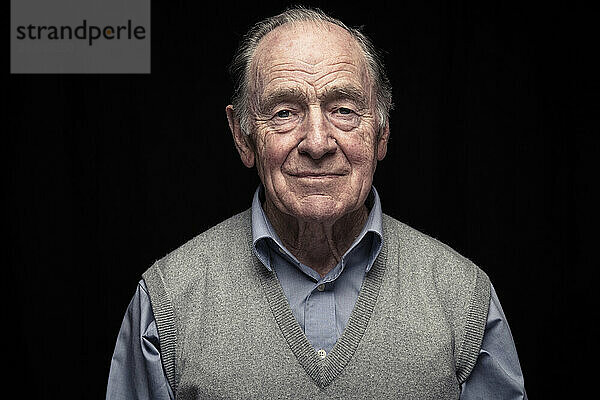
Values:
[(226, 330)]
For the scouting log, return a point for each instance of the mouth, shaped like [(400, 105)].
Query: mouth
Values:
[(316, 175)]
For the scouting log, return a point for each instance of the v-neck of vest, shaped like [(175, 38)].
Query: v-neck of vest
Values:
[(325, 371)]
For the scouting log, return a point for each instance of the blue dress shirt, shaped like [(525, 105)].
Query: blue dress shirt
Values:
[(322, 307)]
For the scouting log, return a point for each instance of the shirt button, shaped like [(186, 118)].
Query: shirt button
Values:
[(322, 353), (321, 287)]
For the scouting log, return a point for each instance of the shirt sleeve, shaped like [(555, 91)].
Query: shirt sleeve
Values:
[(136, 370), (497, 372)]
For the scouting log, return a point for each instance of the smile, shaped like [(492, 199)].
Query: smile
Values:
[(317, 175)]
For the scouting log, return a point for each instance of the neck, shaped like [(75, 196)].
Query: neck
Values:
[(318, 245)]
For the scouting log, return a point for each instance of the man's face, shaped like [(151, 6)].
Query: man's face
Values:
[(315, 136)]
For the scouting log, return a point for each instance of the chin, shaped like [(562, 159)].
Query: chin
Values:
[(319, 209)]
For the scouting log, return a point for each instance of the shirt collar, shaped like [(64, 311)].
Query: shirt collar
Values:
[(262, 230)]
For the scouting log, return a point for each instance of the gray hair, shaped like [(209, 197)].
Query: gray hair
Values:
[(240, 66)]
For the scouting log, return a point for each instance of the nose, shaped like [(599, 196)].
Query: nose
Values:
[(316, 140)]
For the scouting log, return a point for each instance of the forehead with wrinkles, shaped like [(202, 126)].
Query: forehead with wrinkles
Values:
[(316, 53)]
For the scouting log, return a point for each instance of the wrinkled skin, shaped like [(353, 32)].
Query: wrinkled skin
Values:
[(315, 138)]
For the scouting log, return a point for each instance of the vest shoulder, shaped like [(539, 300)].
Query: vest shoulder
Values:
[(216, 243), (419, 249), (439, 272)]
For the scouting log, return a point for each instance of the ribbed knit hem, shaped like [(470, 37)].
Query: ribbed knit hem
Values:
[(474, 328), (324, 371), (165, 321)]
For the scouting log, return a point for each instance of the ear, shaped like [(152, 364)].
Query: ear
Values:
[(241, 140), (382, 141)]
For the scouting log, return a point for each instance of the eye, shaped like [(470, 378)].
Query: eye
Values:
[(283, 114), (344, 118), (344, 111)]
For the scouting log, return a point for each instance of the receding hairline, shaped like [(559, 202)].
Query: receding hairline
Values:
[(253, 69), (298, 25)]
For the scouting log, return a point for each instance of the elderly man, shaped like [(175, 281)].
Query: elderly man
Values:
[(313, 291)]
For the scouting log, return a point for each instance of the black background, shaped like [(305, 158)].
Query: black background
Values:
[(492, 150)]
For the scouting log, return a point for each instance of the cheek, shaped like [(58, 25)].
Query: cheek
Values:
[(272, 152), (361, 155)]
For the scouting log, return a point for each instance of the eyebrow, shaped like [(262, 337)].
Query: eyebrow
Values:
[(297, 95), (294, 95), (351, 93)]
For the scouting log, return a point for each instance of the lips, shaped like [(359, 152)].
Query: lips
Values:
[(316, 174)]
